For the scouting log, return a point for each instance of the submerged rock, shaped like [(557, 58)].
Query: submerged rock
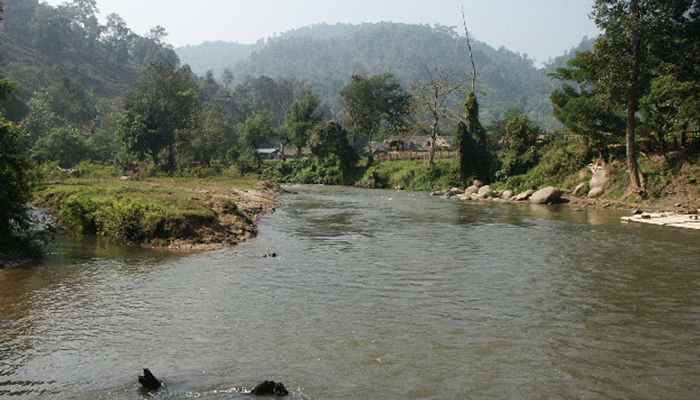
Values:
[(270, 388), (548, 195), (149, 381)]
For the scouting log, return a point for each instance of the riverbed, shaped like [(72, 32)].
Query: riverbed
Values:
[(374, 294)]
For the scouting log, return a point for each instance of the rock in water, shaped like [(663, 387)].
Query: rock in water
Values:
[(524, 195), (149, 381), (270, 388), (548, 195), (507, 195)]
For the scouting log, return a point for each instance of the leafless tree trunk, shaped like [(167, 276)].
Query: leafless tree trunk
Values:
[(633, 99), (471, 52)]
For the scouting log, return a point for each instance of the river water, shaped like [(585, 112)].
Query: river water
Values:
[(374, 295)]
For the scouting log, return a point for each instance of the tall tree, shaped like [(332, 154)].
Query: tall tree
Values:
[(471, 135), (165, 100), (374, 102), (303, 117)]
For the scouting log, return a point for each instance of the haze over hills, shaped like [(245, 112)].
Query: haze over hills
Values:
[(326, 56)]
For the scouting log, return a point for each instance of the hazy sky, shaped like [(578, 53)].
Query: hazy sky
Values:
[(540, 28)]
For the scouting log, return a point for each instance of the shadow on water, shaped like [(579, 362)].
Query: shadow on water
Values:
[(417, 297)]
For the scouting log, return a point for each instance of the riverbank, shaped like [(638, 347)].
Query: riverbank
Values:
[(180, 214), (672, 182)]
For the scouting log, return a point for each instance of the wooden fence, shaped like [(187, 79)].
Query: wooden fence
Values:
[(415, 155)]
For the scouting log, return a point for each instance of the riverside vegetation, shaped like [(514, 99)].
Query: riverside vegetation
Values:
[(102, 102)]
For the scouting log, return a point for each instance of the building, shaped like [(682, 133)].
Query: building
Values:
[(268, 154), (417, 143)]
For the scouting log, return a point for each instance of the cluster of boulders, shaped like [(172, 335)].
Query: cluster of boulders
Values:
[(480, 192)]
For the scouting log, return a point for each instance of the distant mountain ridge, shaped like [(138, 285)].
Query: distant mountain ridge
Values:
[(326, 56)]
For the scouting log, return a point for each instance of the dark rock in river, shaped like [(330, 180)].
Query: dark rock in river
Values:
[(149, 381), (270, 388)]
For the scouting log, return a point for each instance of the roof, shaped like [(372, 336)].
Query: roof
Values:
[(266, 151)]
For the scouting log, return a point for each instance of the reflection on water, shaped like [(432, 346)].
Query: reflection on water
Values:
[(376, 295)]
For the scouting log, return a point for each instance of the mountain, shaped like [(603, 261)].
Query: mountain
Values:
[(326, 56), (42, 46), (214, 56)]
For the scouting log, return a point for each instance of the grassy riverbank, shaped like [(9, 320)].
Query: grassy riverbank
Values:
[(673, 181), (174, 213)]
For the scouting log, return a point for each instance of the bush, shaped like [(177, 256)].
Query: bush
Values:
[(120, 220), (329, 171), (411, 175), (560, 161)]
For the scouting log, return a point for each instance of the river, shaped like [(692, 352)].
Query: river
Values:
[(374, 295)]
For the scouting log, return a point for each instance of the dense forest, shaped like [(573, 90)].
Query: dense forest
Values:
[(326, 56)]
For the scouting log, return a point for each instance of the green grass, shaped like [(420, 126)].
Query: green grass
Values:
[(136, 211)]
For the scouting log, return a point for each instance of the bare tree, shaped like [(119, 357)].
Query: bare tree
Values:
[(475, 73), (432, 97)]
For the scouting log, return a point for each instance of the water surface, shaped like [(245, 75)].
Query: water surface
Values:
[(375, 295)]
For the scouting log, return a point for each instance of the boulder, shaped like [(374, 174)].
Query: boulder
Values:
[(464, 197), (471, 190), (507, 195), (524, 195), (455, 191), (548, 195), (149, 381), (599, 182), (580, 190), (478, 183), (476, 197), (437, 194), (485, 191), (270, 388)]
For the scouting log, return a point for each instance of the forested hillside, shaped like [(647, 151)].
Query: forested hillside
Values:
[(43, 47), (326, 56), (214, 56)]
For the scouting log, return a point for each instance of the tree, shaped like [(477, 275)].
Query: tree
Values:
[(165, 100), (583, 108), (256, 132), (432, 98), (474, 159), (329, 141), (15, 177), (374, 102), (301, 120)]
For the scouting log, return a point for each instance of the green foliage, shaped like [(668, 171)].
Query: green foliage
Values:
[(327, 171), (164, 102), (412, 175), (520, 148), (302, 119), (560, 160), (475, 159), (373, 103), (15, 182), (330, 141), (65, 145)]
